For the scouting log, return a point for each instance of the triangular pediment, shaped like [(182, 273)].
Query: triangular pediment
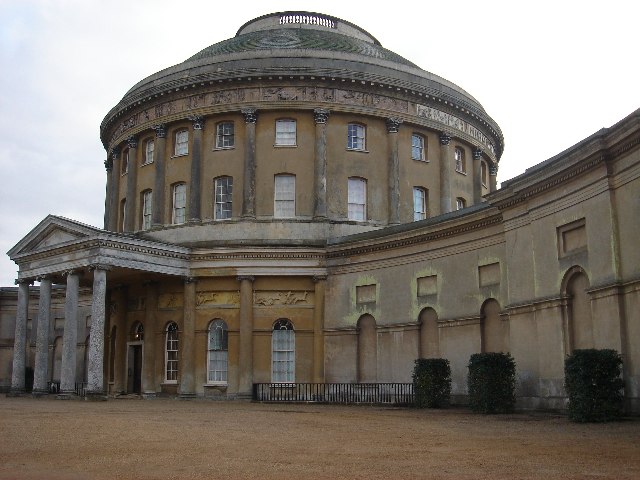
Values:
[(51, 232)]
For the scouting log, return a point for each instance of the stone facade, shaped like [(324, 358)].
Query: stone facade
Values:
[(327, 219)]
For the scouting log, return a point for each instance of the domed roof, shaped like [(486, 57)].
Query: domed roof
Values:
[(303, 45)]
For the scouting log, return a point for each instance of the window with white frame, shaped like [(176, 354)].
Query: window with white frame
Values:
[(223, 197), (179, 203), (458, 155), (171, 353), (460, 203), (182, 142), (125, 162), (483, 172), (357, 199), (283, 352), (419, 203), (285, 132), (147, 209), (149, 147), (225, 136), (356, 136), (417, 147), (284, 197), (218, 352)]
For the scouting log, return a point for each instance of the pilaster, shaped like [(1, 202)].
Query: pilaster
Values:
[(393, 125), (477, 176), (320, 117), (318, 328), (157, 216), (150, 334), (446, 164), (195, 188), (245, 360), (132, 179), (187, 349)]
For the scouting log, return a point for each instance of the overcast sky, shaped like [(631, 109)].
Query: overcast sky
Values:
[(550, 73)]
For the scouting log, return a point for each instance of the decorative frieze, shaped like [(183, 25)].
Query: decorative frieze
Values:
[(205, 299), (170, 301), (268, 299)]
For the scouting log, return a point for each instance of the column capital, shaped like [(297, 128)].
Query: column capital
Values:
[(198, 122), (23, 281), (132, 141), (41, 278), (493, 169), (108, 164), (250, 115), (99, 266), (66, 273), (115, 151), (477, 153), (320, 115), (445, 138), (190, 280), (160, 129), (393, 124), (319, 278), (246, 277)]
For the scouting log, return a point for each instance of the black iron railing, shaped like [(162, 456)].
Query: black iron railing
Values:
[(342, 393), (80, 388)]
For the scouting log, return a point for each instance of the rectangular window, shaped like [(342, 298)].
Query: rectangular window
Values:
[(218, 352), (419, 204), (285, 132), (285, 196), (417, 147), (125, 162), (357, 199), (483, 173), (283, 356), (171, 354), (179, 203), (225, 137), (123, 214), (460, 203), (182, 142), (355, 137), (223, 192), (458, 155), (148, 151), (147, 198)]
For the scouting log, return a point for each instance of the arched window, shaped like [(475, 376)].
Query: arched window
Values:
[(357, 199), (494, 334), (579, 306), (137, 332), (217, 352), (460, 203), (171, 353), (367, 350), (429, 336), (283, 352), (223, 187)]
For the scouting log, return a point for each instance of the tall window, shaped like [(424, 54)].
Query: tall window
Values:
[(217, 352), (285, 132), (460, 203), (125, 162), (225, 137), (223, 192), (417, 147), (483, 173), (356, 136), (182, 142), (419, 203), (123, 214), (284, 196), (171, 353), (357, 199), (149, 147), (283, 352), (458, 155), (179, 203), (147, 206)]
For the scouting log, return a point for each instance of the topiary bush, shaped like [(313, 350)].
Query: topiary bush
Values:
[(432, 382), (594, 385), (492, 381)]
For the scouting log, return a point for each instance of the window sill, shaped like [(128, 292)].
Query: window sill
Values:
[(180, 155), (461, 173), (277, 145), (217, 149), (361, 150), (145, 164), (423, 160), (170, 382), (214, 384)]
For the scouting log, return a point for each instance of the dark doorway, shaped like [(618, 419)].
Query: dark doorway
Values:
[(134, 369)]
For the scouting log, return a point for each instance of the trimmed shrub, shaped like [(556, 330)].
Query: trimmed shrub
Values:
[(594, 385), (492, 381), (432, 382)]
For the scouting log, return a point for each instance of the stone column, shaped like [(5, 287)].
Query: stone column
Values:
[(157, 215), (493, 177), (393, 125), (114, 194), (188, 340), (95, 377), (20, 338), (132, 184), (477, 176), (249, 186), (195, 187), (119, 319), (446, 163), (320, 117), (245, 361), (41, 370), (70, 335), (108, 165), (318, 329), (149, 362)]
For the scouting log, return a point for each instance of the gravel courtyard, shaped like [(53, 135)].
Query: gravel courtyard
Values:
[(52, 439)]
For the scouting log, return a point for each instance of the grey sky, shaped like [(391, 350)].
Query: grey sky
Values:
[(549, 72)]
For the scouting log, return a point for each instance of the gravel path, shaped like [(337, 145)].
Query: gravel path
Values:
[(173, 439)]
